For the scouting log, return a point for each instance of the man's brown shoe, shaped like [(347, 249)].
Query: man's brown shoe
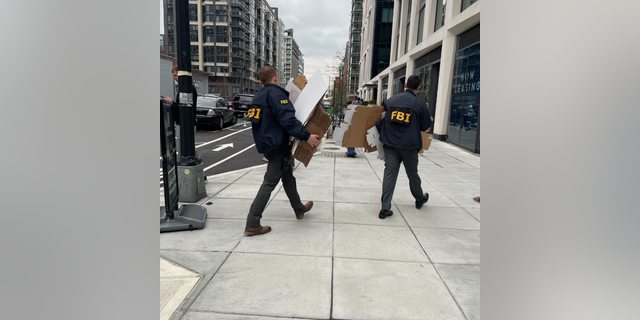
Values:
[(307, 207), (256, 231)]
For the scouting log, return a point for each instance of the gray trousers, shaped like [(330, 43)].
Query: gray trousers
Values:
[(392, 159), (279, 167)]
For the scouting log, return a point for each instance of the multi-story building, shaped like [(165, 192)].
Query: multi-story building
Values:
[(355, 30), (168, 38), (279, 49), (439, 41), (230, 40), (301, 64), (292, 56)]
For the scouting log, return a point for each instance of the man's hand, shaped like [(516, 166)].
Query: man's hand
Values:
[(313, 140)]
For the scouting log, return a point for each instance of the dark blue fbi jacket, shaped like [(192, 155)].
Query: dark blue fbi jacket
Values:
[(406, 116), (274, 119)]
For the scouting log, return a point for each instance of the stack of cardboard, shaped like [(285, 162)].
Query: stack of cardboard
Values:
[(362, 119), (358, 129), (306, 97), (318, 123)]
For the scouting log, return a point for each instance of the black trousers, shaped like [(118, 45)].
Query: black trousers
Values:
[(392, 159), (279, 167)]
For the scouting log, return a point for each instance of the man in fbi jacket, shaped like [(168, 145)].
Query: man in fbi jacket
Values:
[(400, 132), (273, 121)]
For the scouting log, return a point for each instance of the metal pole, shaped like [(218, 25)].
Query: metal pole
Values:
[(185, 87)]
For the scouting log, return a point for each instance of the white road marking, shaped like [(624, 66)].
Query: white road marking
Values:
[(223, 147), (229, 157), (212, 141)]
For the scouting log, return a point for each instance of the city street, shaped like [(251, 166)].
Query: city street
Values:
[(229, 149)]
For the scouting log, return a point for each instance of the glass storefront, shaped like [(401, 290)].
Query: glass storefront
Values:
[(464, 119), (428, 85), (398, 85)]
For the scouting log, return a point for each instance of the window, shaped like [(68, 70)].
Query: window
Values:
[(398, 85), (421, 21), (406, 38), (221, 10), (207, 32), (207, 13), (193, 12), (387, 15), (194, 53), (222, 51), (193, 33), (467, 3), (441, 6)]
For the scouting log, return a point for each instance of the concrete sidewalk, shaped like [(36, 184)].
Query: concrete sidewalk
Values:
[(341, 261)]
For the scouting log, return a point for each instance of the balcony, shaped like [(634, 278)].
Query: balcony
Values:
[(236, 74), (239, 24), (236, 44), (238, 3), (237, 64), (240, 15), (237, 34)]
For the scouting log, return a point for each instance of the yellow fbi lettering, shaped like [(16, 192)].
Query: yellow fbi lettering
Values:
[(400, 116), (253, 113), (284, 101)]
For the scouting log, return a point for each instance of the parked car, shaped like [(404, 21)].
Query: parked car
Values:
[(214, 111), (241, 103)]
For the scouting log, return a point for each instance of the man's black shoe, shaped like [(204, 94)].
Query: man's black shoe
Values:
[(423, 201), (385, 213)]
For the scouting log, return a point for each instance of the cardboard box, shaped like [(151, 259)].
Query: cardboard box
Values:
[(318, 123), (309, 110), (300, 82), (426, 141), (361, 131), (363, 118)]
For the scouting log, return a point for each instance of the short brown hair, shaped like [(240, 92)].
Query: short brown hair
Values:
[(413, 82), (266, 74)]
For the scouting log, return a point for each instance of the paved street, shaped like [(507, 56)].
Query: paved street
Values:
[(229, 149), (341, 261)]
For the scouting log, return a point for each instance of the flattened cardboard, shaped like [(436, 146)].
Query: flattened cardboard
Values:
[(310, 96), (294, 92), (426, 141), (364, 117), (318, 123), (300, 82), (360, 133)]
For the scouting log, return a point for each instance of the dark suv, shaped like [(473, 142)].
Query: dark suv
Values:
[(241, 103)]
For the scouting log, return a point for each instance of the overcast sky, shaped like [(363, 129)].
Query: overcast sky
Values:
[(319, 27)]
